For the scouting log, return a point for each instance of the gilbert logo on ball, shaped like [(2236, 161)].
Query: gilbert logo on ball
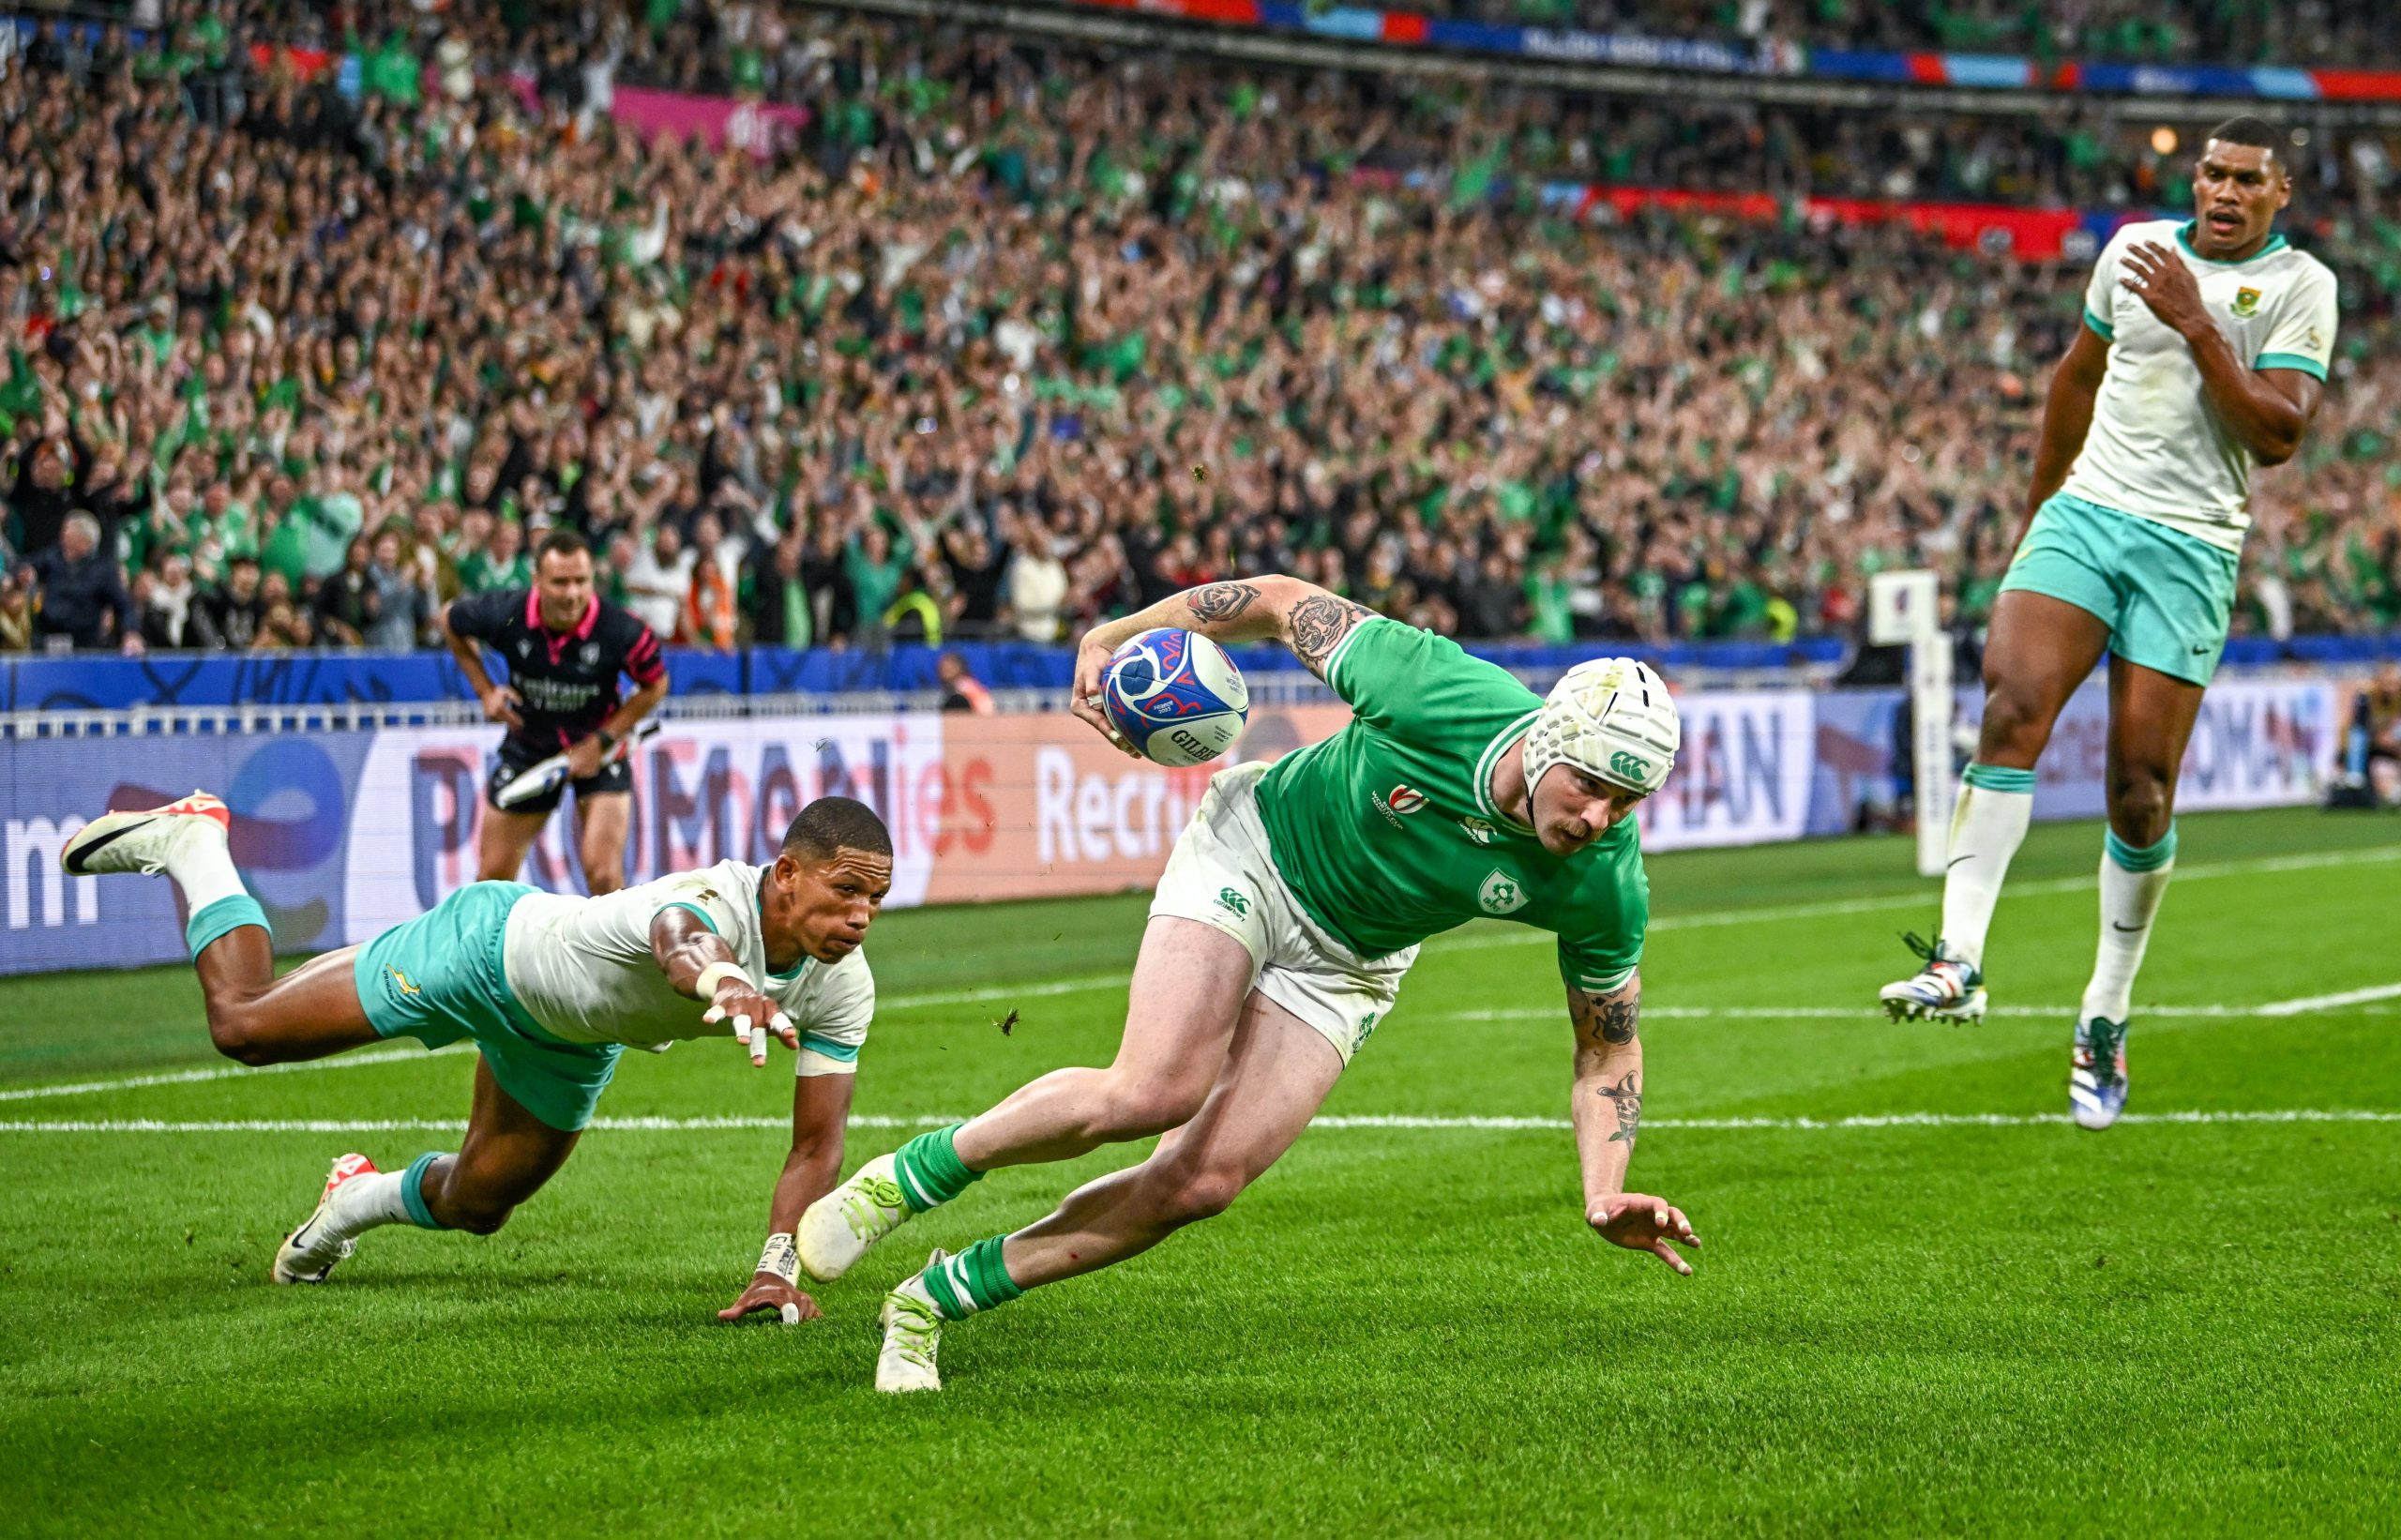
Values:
[(1176, 696)]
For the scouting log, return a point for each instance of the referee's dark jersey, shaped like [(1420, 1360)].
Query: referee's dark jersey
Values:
[(565, 681)]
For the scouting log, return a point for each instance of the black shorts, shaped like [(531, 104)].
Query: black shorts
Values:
[(516, 759)]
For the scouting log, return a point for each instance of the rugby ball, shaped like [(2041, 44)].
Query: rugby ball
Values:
[(1176, 696)]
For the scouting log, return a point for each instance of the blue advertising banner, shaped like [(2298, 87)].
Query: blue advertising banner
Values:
[(292, 800), (90, 681)]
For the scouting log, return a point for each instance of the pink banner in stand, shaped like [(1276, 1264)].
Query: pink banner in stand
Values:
[(759, 127)]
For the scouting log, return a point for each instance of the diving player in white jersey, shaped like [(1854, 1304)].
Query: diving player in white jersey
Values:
[(2203, 351), (551, 989)]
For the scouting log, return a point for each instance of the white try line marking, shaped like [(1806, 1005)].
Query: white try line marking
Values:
[(1515, 936), (1369, 1121), (2301, 1006)]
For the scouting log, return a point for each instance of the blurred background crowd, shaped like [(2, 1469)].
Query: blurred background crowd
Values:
[(2331, 32), (1002, 336)]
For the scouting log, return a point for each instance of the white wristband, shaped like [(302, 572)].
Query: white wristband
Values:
[(781, 1258), (716, 973)]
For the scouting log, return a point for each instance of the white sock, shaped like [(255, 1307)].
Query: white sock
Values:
[(1987, 828), (2133, 880), (365, 1202), (203, 867)]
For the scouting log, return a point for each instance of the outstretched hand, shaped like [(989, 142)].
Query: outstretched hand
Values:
[(1640, 1222), (755, 1018), (770, 1294)]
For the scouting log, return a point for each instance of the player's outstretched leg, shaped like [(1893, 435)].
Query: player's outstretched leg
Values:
[(2151, 719), (253, 1015), (1275, 1079), (2041, 649), (1188, 986), (508, 1154)]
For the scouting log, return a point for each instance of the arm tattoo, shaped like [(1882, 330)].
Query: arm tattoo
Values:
[(1316, 624), (1627, 1098), (1220, 600), (1612, 1017)]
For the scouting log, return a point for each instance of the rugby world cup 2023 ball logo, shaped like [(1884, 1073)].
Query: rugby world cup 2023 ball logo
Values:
[(1176, 696)]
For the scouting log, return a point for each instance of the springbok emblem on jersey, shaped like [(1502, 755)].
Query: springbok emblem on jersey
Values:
[(2246, 302)]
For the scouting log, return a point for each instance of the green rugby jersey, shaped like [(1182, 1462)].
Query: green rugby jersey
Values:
[(1387, 834)]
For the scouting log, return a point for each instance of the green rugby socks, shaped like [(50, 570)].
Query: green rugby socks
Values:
[(975, 1280), (1989, 824), (2134, 878), (929, 1171)]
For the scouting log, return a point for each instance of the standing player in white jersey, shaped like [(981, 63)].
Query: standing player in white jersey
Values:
[(2202, 355), (1277, 939), (551, 989)]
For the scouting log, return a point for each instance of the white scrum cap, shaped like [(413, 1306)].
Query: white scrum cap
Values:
[(1612, 718)]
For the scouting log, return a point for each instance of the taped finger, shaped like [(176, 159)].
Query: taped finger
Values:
[(791, 1313)]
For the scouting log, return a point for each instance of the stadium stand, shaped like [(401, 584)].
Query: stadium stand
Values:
[(992, 339)]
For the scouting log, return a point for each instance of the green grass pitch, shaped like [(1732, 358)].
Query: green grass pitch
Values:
[(1916, 1327)]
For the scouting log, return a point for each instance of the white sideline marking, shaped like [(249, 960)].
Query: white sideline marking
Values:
[(1400, 1121), (360, 1059), (1515, 936), (1836, 1013), (2331, 1002), (996, 993), (1520, 935)]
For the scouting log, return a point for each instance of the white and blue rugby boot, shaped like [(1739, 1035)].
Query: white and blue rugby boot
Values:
[(2097, 1074), (1945, 990)]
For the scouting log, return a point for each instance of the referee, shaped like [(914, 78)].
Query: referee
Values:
[(564, 650)]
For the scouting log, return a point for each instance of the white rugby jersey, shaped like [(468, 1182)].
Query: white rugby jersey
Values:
[(2156, 449), (583, 969)]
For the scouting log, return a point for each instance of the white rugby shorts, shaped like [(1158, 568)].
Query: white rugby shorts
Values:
[(1221, 875)]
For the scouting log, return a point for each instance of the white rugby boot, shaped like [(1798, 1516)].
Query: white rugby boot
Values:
[(140, 842), (309, 1253), (2096, 1072), (838, 1229), (912, 1335), (1945, 990)]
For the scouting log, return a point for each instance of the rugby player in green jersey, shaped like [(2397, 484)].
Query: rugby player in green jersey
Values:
[(1292, 905)]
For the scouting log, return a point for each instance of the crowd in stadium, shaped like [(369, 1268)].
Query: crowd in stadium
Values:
[(1008, 339), (2193, 31)]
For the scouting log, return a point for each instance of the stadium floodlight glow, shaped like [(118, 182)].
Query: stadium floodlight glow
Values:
[(2163, 140)]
